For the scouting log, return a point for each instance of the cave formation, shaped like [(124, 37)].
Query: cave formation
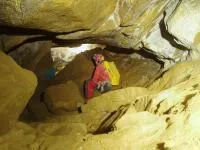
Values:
[(155, 47)]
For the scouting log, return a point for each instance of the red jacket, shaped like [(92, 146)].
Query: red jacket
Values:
[(100, 74)]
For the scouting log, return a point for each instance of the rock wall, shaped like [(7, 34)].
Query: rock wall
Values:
[(17, 85)]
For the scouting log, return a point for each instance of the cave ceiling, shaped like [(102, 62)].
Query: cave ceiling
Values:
[(167, 28)]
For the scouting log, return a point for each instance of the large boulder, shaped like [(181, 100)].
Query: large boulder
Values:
[(56, 16), (48, 135), (98, 109), (63, 97), (176, 37), (17, 85), (111, 101), (184, 25), (21, 136), (133, 131), (119, 22)]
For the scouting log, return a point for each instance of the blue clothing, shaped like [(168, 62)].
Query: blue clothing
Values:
[(51, 73)]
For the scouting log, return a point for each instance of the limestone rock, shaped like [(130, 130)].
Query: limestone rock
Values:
[(174, 99), (56, 16), (59, 135), (46, 135), (174, 89), (111, 101), (100, 108), (177, 98), (163, 43), (155, 25), (179, 73), (23, 47), (127, 25), (160, 43), (63, 97), (9, 42), (17, 86), (176, 37), (119, 22), (21, 136), (134, 131), (184, 25), (27, 54)]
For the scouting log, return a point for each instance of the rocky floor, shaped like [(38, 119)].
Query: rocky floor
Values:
[(161, 117)]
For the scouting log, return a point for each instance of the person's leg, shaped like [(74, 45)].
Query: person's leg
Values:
[(106, 87), (90, 87)]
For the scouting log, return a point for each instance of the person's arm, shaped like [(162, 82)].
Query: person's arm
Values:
[(96, 75)]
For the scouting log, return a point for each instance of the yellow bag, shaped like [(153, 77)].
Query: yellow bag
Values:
[(113, 72)]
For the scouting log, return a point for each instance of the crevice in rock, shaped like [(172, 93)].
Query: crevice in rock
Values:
[(107, 125), (168, 36), (8, 30), (161, 146), (38, 35), (30, 40), (2, 45), (11, 30), (146, 53)]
